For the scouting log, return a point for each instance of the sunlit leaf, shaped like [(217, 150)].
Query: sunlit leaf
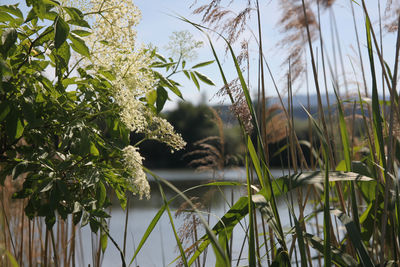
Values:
[(103, 241), (12, 9), (195, 81), (204, 78), (93, 149), (202, 64), (79, 45), (8, 39), (81, 33), (61, 30), (4, 17)]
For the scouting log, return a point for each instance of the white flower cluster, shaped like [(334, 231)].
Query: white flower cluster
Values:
[(113, 45), (132, 111), (138, 119), (138, 180), (165, 133)]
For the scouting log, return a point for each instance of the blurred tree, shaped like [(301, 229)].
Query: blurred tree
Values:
[(192, 122)]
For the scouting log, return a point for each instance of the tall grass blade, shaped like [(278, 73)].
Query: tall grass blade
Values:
[(327, 218), (378, 135), (376, 114), (300, 241), (209, 232), (339, 257), (161, 211), (148, 231), (355, 238), (252, 246), (224, 226), (268, 186), (171, 220), (347, 157), (13, 262), (255, 161), (343, 133)]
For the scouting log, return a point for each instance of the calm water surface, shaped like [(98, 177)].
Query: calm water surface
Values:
[(160, 249)]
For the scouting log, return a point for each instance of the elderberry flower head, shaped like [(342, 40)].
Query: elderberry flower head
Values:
[(165, 133), (134, 161)]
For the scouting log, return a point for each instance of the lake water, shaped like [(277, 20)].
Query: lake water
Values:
[(160, 249)]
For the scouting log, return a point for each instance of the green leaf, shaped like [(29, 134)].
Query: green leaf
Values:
[(251, 232), (195, 81), (175, 90), (282, 259), (14, 126), (204, 78), (170, 84), (94, 225), (5, 17), (107, 74), (61, 30), (101, 194), (355, 238), (74, 13), (62, 188), (343, 132), (202, 64), (338, 257), (31, 15), (163, 65), (64, 54), (100, 213), (38, 6), (160, 57), (255, 160), (186, 74), (85, 218), (79, 45), (12, 260), (93, 149), (8, 38), (76, 217), (151, 97), (45, 36), (19, 169), (4, 110), (319, 177), (267, 211), (103, 241), (376, 113), (162, 96), (50, 15), (12, 9), (81, 33), (80, 22)]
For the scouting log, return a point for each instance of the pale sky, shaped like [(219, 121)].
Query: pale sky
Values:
[(158, 23)]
